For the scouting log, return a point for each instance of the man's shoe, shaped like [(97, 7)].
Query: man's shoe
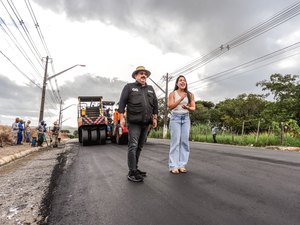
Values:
[(142, 173), (134, 176)]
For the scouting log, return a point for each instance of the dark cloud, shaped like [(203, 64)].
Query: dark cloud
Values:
[(89, 85), (24, 101), (16, 99), (175, 25)]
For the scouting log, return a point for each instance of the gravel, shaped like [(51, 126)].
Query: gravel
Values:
[(27, 185)]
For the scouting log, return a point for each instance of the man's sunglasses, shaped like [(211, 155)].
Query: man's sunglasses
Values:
[(142, 73)]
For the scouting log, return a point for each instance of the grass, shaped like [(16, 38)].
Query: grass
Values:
[(201, 133)]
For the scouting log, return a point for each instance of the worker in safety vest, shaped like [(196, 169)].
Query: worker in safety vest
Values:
[(55, 132), (116, 116)]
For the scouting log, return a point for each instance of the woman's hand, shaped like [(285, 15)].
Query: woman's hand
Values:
[(186, 107), (183, 96)]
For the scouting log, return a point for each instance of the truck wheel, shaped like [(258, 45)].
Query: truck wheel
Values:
[(102, 137), (80, 135), (94, 136), (84, 137)]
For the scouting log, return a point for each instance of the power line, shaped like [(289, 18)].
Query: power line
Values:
[(248, 64), (20, 70), (31, 45), (41, 36), (277, 19), (17, 44), (234, 75), (32, 14), (253, 32)]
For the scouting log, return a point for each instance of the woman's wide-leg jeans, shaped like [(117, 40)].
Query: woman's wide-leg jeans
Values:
[(179, 144)]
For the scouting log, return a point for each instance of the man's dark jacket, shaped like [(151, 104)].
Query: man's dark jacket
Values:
[(141, 103)]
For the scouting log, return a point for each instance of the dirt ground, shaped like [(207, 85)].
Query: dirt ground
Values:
[(10, 150), (25, 184)]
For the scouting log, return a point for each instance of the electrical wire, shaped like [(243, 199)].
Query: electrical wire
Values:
[(41, 36), (235, 75), (245, 65), (17, 44), (29, 41), (33, 82), (279, 18), (32, 14), (251, 62)]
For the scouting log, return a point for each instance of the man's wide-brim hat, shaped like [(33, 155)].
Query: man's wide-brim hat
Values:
[(138, 69)]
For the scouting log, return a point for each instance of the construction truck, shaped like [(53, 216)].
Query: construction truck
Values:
[(119, 134), (93, 121)]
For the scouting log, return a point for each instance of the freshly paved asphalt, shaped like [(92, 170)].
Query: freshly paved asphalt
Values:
[(225, 185)]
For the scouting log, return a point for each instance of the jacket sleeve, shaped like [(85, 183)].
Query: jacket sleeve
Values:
[(123, 99)]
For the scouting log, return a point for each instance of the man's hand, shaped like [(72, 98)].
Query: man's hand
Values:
[(154, 124), (122, 122)]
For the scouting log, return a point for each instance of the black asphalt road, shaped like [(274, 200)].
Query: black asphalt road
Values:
[(225, 185)]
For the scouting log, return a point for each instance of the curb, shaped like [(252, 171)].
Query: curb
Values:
[(7, 159), (284, 148), (270, 147)]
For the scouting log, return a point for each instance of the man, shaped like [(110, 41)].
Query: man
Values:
[(55, 132), (116, 116), (15, 130), (214, 133), (141, 110), (41, 133), (20, 132), (27, 131), (116, 121)]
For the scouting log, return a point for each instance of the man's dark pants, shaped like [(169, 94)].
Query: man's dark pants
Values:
[(137, 134), (214, 138)]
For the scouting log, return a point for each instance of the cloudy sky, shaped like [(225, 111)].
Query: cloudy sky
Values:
[(222, 47)]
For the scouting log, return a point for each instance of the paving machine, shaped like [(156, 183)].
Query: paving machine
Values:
[(93, 122)]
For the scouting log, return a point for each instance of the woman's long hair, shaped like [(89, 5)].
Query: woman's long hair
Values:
[(186, 88)]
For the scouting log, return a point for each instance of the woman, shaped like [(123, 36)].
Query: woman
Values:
[(181, 102)]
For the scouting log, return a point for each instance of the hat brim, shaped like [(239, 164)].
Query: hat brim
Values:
[(135, 72)]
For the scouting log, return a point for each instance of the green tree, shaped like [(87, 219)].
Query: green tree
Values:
[(65, 131), (247, 108), (202, 113), (286, 92)]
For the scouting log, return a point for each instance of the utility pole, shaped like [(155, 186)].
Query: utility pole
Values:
[(165, 128), (44, 91), (60, 112), (257, 133), (59, 116), (156, 85), (46, 78)]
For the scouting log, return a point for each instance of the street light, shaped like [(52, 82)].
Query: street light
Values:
[(60, 112), (65, 120), (45, 83)]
